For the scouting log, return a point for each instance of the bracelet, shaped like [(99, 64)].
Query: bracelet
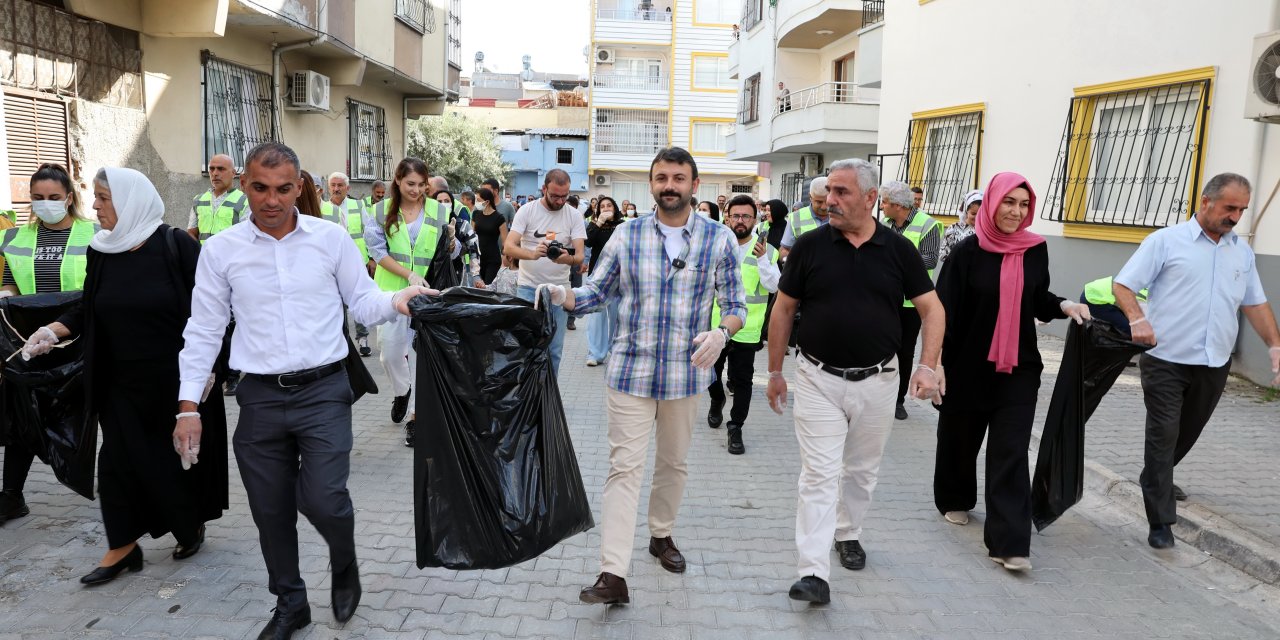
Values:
[(775, 374), (187, 414), (1138, 321), (926, 368)]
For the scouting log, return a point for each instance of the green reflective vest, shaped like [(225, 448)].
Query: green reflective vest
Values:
[(416, 258), (917, 228), (1099, 292), (354, 222), (802, 222), (757, 297), (211, 222), (19, 248)]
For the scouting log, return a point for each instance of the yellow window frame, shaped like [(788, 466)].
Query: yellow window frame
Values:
[(693, 63), (702, 120), (693, 17), (919, 130)]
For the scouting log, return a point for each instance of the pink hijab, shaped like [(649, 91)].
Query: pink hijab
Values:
[(1004, 342)]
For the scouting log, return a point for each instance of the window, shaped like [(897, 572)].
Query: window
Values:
[(752, 14), (238, 109), (707, 191), (630, 131), (454, 33), (564, 156), (418, 14), (711, 72), (370, 155), (709, 137), (716, 12), (749, 111), (1131, 157), (942, 156), (36, 128), (637, 192), (633, 73)]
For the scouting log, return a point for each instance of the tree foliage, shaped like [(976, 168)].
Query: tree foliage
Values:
[(462, 150)]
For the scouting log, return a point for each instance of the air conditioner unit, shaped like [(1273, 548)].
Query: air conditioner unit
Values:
[(310, 92), (601, 180), (605, 56), (811, 164), (1262, 103)]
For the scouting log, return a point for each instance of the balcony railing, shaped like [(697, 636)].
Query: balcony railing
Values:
[(872, 12), (629, 81), (825, 93), (634, 15), (630, 137)]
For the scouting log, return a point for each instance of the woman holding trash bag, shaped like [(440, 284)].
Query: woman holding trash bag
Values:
[(137, 299), (993, 286), (603, 324), (46, 255)]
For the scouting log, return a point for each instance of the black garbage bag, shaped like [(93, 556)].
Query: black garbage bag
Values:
[(442, 274), (496, 480), (1095, 355), (45, 396)]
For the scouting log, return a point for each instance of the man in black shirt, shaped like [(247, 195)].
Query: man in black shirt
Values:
[(849, 279)]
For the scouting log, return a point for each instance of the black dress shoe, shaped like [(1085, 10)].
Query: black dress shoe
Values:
[(715, 417), (400, 407), (811, 589), (664, 549), (1161, 537), (284, 623), (735, 445), (608, 589), (1179, 494), (570, 325), (409, 428), (102, 575), (345, 595), (852, 555), (900, 412), (182, 551), (12, 506), (365, 351)]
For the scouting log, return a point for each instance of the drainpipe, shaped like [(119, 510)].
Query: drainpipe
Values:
[(277, 51)]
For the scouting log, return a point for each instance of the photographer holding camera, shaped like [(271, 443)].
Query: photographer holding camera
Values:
[(548, 237)]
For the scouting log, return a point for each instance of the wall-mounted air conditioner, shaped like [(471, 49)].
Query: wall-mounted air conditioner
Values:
[(310, 92)]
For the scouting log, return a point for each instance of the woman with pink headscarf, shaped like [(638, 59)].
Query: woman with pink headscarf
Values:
[(994, 285)]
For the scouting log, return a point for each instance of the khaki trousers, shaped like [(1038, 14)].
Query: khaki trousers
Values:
[(631, 420)]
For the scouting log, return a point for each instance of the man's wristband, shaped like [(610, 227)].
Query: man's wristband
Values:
[(775, 374), (187, 414), (1138, 321)]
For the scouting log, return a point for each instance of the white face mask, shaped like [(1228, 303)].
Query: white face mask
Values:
[(480, 206), (49, 211)]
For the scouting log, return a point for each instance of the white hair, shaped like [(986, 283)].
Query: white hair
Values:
[(868, 175), (898, 193), (341, 176), (818, 188), (439, 182)]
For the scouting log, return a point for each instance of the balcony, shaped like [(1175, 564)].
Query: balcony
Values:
[(814, 24), (825, 117), (636, 26), (630, 90)]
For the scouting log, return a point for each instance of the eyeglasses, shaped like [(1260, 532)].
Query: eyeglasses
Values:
[(742, 216)]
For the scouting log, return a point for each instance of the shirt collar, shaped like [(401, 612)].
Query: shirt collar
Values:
[(303, 223), (877, 237), (688, 225), (1195, 231)]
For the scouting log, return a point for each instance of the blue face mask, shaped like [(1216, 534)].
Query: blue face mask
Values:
[(49, 211)]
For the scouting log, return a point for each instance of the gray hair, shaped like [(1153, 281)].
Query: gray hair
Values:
[(818, 188), (898, 193), (1216, 184), (100, 179), (868, 175), (378, 183), (341, 176), (439, 182)]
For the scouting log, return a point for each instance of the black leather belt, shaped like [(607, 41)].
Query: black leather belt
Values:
[(297, 378), (852, 374)]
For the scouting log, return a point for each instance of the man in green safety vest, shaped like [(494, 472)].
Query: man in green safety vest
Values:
[(1102, 303), (376, 193), (760, 277), (806, 219), (213, 212), (899, 204), (348, 213)]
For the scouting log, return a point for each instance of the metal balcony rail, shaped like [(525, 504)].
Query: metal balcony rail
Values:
[(634, 15), (872, 12), (629, 81), (629, 137), (825, 93)]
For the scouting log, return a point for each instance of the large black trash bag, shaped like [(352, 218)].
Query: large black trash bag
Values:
[(441, 274), (1095, 355), (45, 396), (496, 480)]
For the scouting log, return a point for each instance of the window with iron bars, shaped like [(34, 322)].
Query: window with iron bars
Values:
[(370, 155), (1131, 158), (629, 131), (418, 14), (752, 14), (749, 110), (238, 109), (941, 156), (455, 33)]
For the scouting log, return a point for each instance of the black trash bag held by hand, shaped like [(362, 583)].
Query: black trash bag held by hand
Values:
[(441, 274), (496, 480), (47, 404)]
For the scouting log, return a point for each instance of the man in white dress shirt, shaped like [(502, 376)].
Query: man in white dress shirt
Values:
[(287, 277)]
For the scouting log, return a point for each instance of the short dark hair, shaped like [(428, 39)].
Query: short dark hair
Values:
[(272, 154), (573, 201), (740, 200), (917, 190), (556, 176), (674, 155), (467, 195)]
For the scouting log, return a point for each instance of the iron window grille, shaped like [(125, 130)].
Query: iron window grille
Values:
[(791, 187), (239, 109), (749, 111), (752, 14), (564, 156), (630, 131), (941, 157), (1131, 158), (872, 12), (454, 33), (418, 14), (370, 152)]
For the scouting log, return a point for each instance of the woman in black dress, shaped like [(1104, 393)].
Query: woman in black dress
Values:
[(994, 285), (137, 298), (602, 325), (491, 229)]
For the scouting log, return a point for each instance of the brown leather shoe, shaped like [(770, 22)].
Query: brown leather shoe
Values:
[(608, 589), (664, 549)]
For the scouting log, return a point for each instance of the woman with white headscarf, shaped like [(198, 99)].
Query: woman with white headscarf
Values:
[(137, 298), (965, 226)]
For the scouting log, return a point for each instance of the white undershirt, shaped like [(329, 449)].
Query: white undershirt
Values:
[(673, 240)]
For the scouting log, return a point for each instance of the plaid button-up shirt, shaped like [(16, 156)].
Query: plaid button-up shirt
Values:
[(663, 307)]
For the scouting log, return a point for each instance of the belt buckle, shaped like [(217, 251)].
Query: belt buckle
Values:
[(282, 385)]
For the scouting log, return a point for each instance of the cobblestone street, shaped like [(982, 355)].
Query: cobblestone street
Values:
[(1094, 575)]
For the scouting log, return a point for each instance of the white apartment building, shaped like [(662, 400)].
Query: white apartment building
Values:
[(1116, 112), (826, 54), (660, 77)]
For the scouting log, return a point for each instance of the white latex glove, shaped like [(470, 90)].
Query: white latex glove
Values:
[(186, 440), (40, 343), (403, 296), (416, 280), (558, 294), (925, 384), (1275, 365), (710, 344), (1077, 311)]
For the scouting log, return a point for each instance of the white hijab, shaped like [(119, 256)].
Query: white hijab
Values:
[(139, 212)]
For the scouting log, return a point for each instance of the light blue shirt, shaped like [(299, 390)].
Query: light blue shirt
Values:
[(1196, 289)]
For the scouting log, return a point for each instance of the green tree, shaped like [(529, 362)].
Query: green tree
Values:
[(464, 151)]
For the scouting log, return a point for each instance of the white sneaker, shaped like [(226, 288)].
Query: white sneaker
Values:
[(1014, 563), (592, 362), (957, 517)]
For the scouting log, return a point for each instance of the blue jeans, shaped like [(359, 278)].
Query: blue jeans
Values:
[(602, 326), (559, 315)]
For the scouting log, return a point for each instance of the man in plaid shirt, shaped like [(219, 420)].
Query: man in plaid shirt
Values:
[(665, 269)]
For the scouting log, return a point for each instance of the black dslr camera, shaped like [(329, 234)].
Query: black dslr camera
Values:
[(555, 248)]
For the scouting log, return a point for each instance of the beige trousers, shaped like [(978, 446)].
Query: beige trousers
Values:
[(631, 420)]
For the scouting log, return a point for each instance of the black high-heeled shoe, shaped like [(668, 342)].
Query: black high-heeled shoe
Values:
[(182, 551), (102, 575)]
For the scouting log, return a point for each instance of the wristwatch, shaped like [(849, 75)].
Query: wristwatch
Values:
[(725, 330)]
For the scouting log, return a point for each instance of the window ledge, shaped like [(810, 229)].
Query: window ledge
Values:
[(1133, 235)]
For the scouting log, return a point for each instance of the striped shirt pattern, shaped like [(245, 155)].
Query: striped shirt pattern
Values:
[(663, 308)]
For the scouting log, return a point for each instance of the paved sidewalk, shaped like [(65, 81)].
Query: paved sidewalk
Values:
[(1094, 575)]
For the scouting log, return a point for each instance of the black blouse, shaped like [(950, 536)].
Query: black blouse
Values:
[(597, 237)]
